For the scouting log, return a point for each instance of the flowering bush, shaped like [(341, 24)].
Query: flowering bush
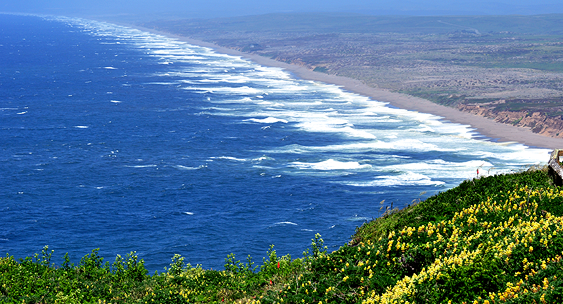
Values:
[(490, 240)]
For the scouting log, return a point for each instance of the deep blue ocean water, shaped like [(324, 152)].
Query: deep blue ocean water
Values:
[(122, 140)]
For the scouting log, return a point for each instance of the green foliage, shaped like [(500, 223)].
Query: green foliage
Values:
[(496, 239), (177, 266), (237, 266), (444, 205), (321, 70), (445, 97)]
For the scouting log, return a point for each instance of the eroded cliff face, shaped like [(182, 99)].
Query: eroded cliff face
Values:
[(538, 122)]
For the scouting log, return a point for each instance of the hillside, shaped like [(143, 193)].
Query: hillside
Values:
[(497, 239)]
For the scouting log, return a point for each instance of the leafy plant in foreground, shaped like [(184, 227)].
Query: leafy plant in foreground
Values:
[(491, 240)]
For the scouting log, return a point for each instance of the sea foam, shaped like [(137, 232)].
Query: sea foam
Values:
[(330, 164)]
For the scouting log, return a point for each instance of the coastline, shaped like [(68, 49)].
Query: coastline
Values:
[(490, 129)]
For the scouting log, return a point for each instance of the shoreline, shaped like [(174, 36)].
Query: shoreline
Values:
[(489, 129)]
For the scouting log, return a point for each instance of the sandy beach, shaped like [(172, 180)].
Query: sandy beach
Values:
[(489, 128)]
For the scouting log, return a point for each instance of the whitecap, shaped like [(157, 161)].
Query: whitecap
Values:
[(401, 145), (405, 179), (188, 213), (110, 68), (141, 166), (284, 223), (81, 127), (358, 133), (115, 101), (162, 83), (474, 164), (423, 128), (444, 169), (277, 104), (269, 120), (244, 90), (356, 218), (333, 125), (261, 158), (229, 158), (186, 168), (330, 164)]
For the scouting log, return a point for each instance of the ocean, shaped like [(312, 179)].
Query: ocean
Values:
[(123, 140)]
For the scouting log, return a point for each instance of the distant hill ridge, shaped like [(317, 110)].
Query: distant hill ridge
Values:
[(549, 24)]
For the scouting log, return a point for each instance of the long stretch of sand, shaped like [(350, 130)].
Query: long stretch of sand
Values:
[(487, 127)]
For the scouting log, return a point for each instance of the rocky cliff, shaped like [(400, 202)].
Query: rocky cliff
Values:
[(536, 121)]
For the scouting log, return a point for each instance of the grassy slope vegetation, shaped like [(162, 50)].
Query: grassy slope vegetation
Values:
[(497, 239)]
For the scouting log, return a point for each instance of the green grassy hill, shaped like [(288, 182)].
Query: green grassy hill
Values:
[(497, 239)]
